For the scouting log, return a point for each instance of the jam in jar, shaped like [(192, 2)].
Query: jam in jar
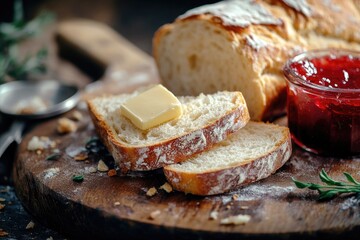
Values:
[(323, 101)]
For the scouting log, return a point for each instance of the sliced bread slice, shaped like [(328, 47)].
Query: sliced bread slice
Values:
[(206, 120), (253, 153)]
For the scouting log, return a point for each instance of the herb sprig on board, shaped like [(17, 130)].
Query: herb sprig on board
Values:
[(331, 188), (12, 66)]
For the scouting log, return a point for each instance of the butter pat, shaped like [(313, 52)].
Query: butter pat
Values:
[(151, 108)]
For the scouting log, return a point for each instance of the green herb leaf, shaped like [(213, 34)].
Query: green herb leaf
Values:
[(78, 178), (332, 188), (351, 179), (301, 184), (53, 157)]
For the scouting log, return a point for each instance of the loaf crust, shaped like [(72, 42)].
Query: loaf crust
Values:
[(176, 149), (228, 178), (259, 47)]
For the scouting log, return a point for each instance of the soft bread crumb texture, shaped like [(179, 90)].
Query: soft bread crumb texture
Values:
[(251, 142), (197, 112), (222, 47)]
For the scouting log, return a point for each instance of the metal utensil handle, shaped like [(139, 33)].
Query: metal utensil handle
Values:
[(13, 134)]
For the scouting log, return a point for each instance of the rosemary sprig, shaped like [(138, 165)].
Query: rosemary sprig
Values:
[(12, 67), (332, 187)]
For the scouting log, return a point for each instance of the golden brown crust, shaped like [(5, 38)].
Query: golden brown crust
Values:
[(177, 149), (231, 177)]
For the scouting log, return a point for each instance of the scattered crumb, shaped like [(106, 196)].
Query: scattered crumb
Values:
[(3, 233), (166, 187), (151, 192), (31, 106), (214, 215), (111, 172), (51, 172), (102, 167), (81, 156), (77, 116), (87, 161), (2, 199), (116, 203), (30, 225), (235, 197), (90, 170), (40, 143), (2, 206), (244, 207), (228, 207), (154, 214), (235, 220), (50, 238), (66, 125)]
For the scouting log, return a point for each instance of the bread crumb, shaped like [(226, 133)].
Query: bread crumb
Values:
[(50, 238), (30, 225), (154, 214), (166, 187), (31, 106), (151, 192), (244, 207), (111, 173), (66, 125), (81, 156), (77, 116), (90, 170), (3, 233), (235, 220), (235, 197), (214, 215), (2, 206), (102, 167), (116, 204), (40, 143)]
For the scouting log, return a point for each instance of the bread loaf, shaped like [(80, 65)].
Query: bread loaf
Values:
[(206, 120), (241, 45), (253, 153)]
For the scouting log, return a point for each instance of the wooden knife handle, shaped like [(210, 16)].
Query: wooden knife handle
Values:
[(93, 46)]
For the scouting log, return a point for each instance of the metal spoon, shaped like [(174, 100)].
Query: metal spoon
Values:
[(26, 101)]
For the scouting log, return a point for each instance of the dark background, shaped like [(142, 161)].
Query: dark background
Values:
[(137, 20)]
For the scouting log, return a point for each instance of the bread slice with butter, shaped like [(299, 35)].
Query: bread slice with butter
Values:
[(253, 153), (205, 121)]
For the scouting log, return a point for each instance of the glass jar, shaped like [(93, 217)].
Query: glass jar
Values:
[(323, 101)]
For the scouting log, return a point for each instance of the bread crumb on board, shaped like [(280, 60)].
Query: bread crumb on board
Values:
[(236, 220), (111, 173), (66, 125), (214, 215), (30, 225), (2, 206), (116, 204), (102, 167), (151, 192), (40, 143), (77, 116), (81, 156), (154, 214), (3, 233), (166, 187)]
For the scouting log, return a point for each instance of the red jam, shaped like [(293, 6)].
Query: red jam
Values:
[(324, 101)]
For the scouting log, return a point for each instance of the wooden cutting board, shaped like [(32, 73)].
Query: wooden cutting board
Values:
[(117, 207)]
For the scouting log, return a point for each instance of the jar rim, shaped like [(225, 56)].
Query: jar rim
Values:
[(311, 54)]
